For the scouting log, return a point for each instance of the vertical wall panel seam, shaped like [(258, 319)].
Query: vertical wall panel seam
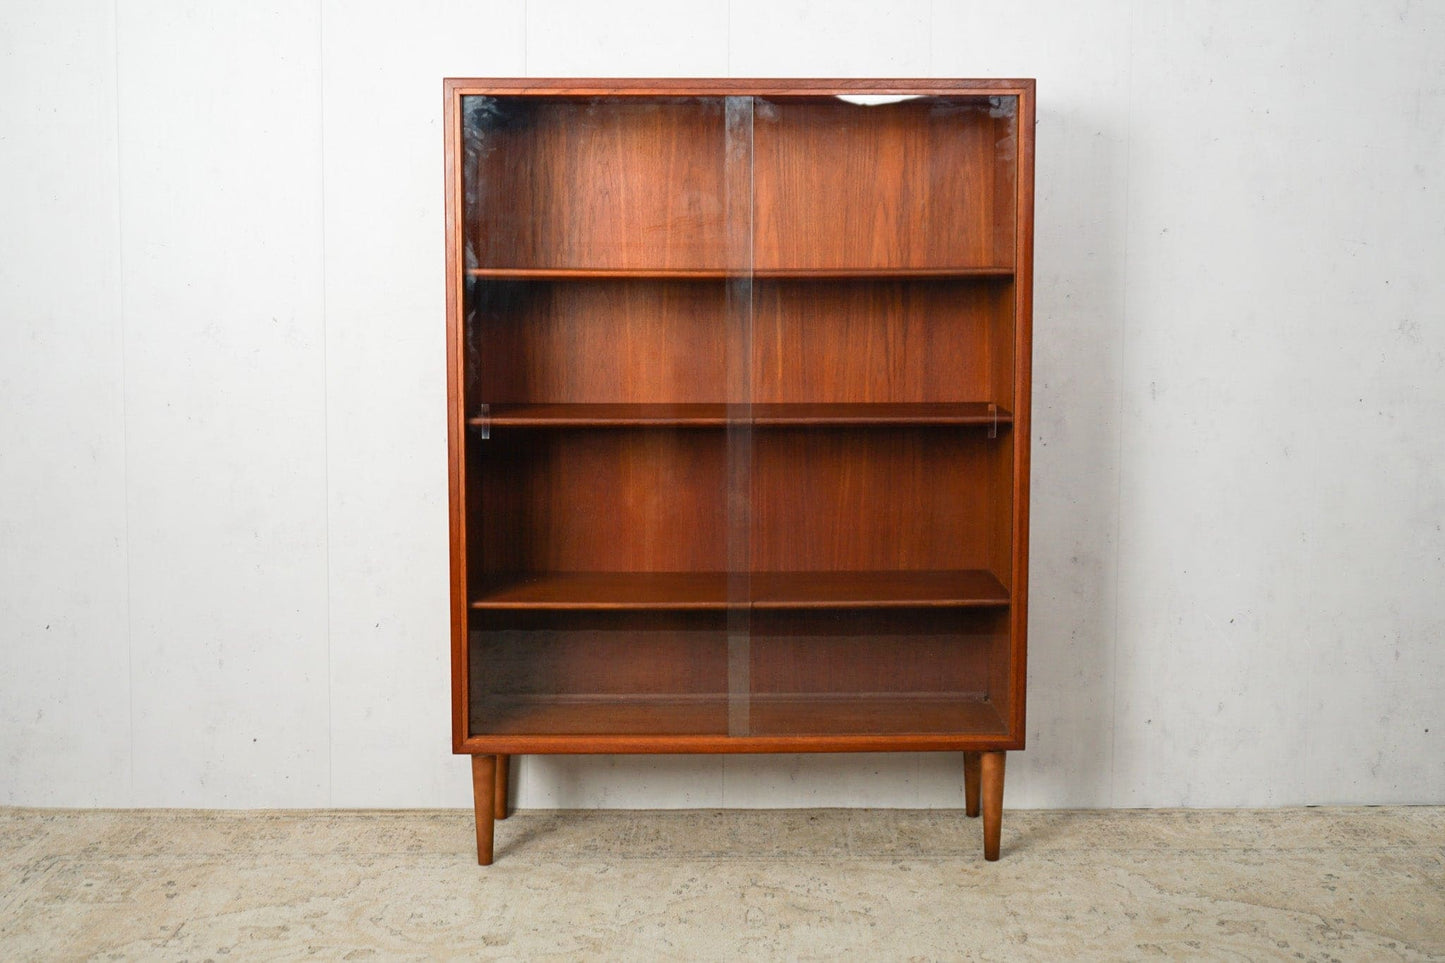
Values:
[(1129, 113), (124, 414), (325, 394)]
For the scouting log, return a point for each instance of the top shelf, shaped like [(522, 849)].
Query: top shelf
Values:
[(801, 274)]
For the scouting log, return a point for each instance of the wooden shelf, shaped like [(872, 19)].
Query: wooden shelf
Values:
[(846, 414), (797, 274), (681, 591), (767, 714)]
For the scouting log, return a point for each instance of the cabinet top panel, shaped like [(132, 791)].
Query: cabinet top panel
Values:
[(703, 87)]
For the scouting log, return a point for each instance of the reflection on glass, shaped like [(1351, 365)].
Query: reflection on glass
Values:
[(739, 374)]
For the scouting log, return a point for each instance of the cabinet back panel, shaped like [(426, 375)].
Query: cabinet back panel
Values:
[(876, 341), (598, 341), (840, 652), (862, 499), (635, 500), (595, 654), (923, 183), (630, 183)]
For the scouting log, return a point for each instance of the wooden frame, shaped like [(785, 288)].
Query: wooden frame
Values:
[(988, 306)]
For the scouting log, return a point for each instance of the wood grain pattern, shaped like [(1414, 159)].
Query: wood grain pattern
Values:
[(891, 269), (502, 784), (610, 341), (606, 654), (781, 724), (972, 781), (802, 88), (876, 341), (459, 494), (484, 774), (711, 591), (905, 656), (991, 766), (621, 184), (1023, 339), (910, 184), (738, 269), (841, 414), (577, 500), (853, 499)]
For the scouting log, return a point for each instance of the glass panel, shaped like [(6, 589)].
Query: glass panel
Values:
[(738, 379), (600, 349), (922, 183), (595, 183), (881, 375), (739, 189)]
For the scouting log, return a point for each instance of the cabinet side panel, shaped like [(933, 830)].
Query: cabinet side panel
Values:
[(456, 426), (1023, 407)]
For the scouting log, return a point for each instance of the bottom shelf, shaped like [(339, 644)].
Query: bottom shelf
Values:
[(759, 715)]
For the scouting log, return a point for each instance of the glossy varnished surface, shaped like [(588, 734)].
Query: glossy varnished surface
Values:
[(843, 414), (916, 184), (877, 341), (658, 591), (581, 184), (782, 334), (793, 716)]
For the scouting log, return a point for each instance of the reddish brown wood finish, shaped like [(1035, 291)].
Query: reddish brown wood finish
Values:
[(971, 782), (825, 343), (504, 781), (599, 342), (704, 591), (792, 337), (931, 194), (991, 766), (484, 777), (629, 184), (578, 500), (844, 414), (852, 499), (457, 492), (797, 274), (778, 723)]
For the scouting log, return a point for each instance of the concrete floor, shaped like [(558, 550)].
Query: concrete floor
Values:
[(1311, 884)]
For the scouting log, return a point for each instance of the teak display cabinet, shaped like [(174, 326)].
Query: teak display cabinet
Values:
[(738, 386)]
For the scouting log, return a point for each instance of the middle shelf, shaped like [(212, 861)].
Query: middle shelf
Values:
[(854, 414), (692, 591)]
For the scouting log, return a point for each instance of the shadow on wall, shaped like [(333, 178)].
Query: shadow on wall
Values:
[(1078, 331)]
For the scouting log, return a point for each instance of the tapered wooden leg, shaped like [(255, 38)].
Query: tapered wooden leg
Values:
[(484, 785), (970, 783), (991, 771), (499, 807)]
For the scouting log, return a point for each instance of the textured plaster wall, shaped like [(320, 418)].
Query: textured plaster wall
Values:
[(222, 448)]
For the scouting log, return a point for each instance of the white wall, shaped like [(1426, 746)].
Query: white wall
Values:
[(222, 448)]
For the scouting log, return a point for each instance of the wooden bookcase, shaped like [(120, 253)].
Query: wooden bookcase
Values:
[(738, 387)]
